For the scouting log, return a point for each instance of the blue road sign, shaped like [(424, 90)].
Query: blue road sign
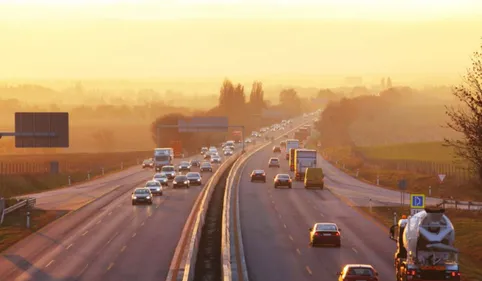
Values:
[(402, 184), (417, 201)]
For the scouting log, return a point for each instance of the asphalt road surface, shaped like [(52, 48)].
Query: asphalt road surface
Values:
[(275, 225), (108, 239)]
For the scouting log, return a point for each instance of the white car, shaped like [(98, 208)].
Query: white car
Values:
[(216, 159), (155, 187)]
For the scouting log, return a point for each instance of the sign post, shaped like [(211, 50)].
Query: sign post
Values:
[(402, 185), (417, 203)]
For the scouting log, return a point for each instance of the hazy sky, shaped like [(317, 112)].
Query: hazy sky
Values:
[(83, 39)]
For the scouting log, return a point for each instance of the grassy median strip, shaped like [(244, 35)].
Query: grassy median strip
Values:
[(468, 230), (14, 227)]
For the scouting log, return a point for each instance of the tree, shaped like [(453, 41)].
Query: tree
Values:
[(382, 84), (389, 83), (256, 98), (467, 119), (290, 102)]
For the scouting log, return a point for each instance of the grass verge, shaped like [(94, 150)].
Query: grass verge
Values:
[(468, 229), (425, 151), (22, 175), (14, 228), (417, 182)]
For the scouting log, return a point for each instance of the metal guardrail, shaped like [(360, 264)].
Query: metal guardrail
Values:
[(183, 263), (461, 205), (29, 202), (232, 250)]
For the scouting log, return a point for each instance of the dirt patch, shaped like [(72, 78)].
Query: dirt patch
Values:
[(14, 228), (468, 228)]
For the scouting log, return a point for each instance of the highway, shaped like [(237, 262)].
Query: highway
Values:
[(108, 239), (275, 225)]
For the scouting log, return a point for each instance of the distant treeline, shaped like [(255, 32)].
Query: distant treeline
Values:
[(396, 115)]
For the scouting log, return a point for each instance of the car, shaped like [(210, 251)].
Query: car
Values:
[(282, 180), (147, 164), (216, 159), (180, 181), (184, 166), (276, 149), (273, 162), (206, 167), (325, 233), (155, 187), (141, 195), (204, 150), (228, 152), (258, 175), (169, 171), (248, 140), (161, 178), (358, 272), (194, 178), (195, 163)]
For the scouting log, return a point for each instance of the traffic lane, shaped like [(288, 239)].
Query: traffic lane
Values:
[(363, 240), (40, 248), (350, 187), (268, 250), (297, 209), (74, 197)]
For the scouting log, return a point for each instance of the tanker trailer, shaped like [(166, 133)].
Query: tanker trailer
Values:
[(425, 247)]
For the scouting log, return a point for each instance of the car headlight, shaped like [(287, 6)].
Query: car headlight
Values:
[(198, 179), (133, 197), (158, 189), (186, 182), (174, 182)]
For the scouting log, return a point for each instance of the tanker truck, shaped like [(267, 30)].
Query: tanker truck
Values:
[(425, 247)]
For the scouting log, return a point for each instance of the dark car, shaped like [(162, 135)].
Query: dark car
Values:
[(147, 164), (194, 178), (155, 187), (276, 149), (325, 234), (358, 272), (184, 166), (141, 195), (207, 156), (273, 162), (180, 181), (162, 178), (258, 175), (169, 171), (282, 180), (195, 163), (206, 167)]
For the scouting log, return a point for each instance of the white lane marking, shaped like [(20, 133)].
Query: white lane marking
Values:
[(272, 201), (284, 225), (157, 207), (134, 235), (309, 270), (99, 221), (49, 263), (87, 265), (142, 224), (279, 215), (110, 266), (123, 248), (354, 250), (68, 247), (291, 238), (322, 215), (298, 251), (83, 234)]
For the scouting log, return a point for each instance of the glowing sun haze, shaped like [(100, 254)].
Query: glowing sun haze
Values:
[(100, 38)]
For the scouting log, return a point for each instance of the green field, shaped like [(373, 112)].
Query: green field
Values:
[(425, 151)]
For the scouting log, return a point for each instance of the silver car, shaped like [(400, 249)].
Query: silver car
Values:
[(161, 178), (169, 171), (216, 159), (184, 166), (155, 187)]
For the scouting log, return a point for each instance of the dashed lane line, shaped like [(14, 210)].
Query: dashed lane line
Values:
[(298, 251), (354, 250), (83, 234), (309, 270), (134, 235), (68, 247), (52, 261), (123, 249), (291, 238), (110, 266)]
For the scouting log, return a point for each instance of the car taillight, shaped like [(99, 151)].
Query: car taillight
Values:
[(455, 274), (337, 234), (289, 180), (411, 272), (264, 174)]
